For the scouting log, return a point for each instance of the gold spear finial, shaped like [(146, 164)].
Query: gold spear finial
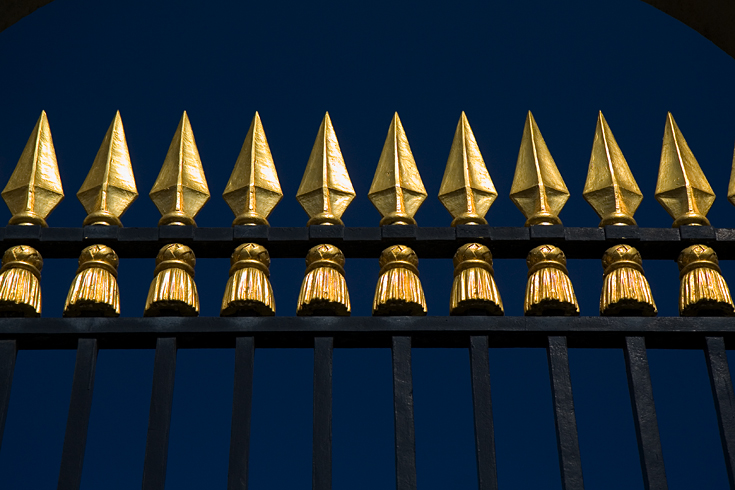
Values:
[(731, 187), (466, 190), (610, 189), (109, 187), (538, 189), (682, 189), (34, 188), (397, 190), (181, 189), (326, 189), (253, 189)]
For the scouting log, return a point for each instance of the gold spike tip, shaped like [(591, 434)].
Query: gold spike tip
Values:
[(181, 190), (34, 188), (326, 189), (397, 190), (610, 188), (466, 189), (731, 186), (538, 189), (682, 189), (109, 188), (253, 189)]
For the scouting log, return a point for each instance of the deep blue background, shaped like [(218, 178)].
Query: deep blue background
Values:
[(565, 60)]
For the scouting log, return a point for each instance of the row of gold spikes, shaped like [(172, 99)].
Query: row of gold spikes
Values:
[(248, 292), (397, 191)]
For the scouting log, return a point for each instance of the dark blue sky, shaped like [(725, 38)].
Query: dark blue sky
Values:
[(83, 60)]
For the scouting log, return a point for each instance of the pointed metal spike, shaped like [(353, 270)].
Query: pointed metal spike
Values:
[(731, 187), (109, 188), (466, 189), (181, 189), (34, 188), (326, 189), (610, 188), (397, 190), (682, 189), (253, 189), (538, 189)]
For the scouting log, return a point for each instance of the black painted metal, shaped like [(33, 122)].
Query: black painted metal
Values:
[(570, 460), (429, 242), (77, 422), (159, 418), (237, 474), (487, 477), (403, 414), (644, 414), (287, 332), (722, 391), (322, 440), (7, 367)]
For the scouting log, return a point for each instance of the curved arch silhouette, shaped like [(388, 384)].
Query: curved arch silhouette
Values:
[(713, 19)]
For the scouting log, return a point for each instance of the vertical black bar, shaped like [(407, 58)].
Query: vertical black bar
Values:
[(644, 414), (722, 391), (487, 477), (77, 422), (159, 418), (570, 460), (322, 454), (403, 414), (7, 366), (237, 474)]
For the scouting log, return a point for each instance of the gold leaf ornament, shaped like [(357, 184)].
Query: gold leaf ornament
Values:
[(324, 289), (20, 282), (474, 290), (549, 290), (625, 290), (248, 291), (94, 291), (399, 290), (702, 291), (173, 291)]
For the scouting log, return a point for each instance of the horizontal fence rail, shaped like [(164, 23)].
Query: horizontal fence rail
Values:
[(355, 242)]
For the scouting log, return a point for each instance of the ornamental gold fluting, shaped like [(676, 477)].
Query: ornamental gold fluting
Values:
[(625, 290), (324, 289), (248, 291), (173, 291), (703, 291), (253, 189), (549, 290), (94, 291), (474, 290), (20, 282), (399, 290)]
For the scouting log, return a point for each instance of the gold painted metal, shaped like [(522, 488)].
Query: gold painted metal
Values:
[(109, 188), (253, 189), (682, 189), (326, 189), (474, 290), (549, 290), (731, 186), (467, 191), (703, 290), (397, 190), (610, 188), (538, 189), (20, 282), (34, 188), (625, 290), (399, 290), (94, 291), (180, 190), (173, 291), (248, 291), (324, 289)]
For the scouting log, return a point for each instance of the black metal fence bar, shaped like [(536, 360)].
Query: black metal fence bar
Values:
[(322, 439), (722, 391), (487, 477), (644, 414), (7, 367), (428, 242), (570, 459), (159, 418), (403, 414), (237, 473), (77, 423)]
